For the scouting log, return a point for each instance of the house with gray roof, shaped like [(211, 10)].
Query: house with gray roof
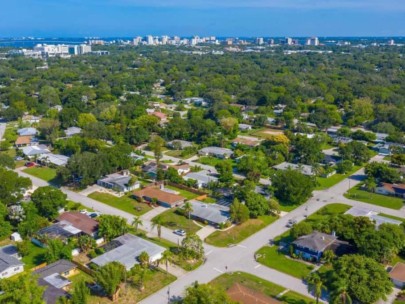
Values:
[(179, 144), (373, 216), (9, 262), (27, 132), (203, 178), (72, 131), (212, 214), (126, 249), (32, 151), (119, 182), (53, 159), (304, 169), (216, 152)]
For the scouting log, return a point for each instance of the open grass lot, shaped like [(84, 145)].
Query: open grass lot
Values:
[(329, 210), (357, 194), (124, 203), (35, 256), (271, 257), (173, 220), (240, 232), (325, 183), (268, 288), (187, 194), (45, 173), (178, 154), (265, 133), (209, 160)]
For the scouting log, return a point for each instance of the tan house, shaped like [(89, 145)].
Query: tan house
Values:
[(163, 197), (397, 275)]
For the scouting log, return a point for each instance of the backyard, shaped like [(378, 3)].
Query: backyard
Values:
[(35, 256), (356, 193), (172, 220), (125, 203), (257, 284), (240, 232)]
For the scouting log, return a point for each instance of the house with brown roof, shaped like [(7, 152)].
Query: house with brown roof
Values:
[(80, 221), (397, 275), (391, 189), (162, 116), (182, 169), (23, 141), (244, 295), (165, 198)]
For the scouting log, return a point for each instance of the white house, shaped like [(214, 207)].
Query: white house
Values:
[(118, 182), (10, 264), (27, 132)]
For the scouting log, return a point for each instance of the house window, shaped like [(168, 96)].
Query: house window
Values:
[(17, 268)]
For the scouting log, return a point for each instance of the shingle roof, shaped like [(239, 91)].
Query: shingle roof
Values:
[(80, 221), (304, 169), (23, 140), (217, 151), (162, 196), (201, 176), (213, 213), (27, 131), (398, 272), (316, 241), (59, 267), (7, 261), (35, 150)]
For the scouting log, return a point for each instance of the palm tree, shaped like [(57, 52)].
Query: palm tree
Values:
[(188, 208), (315, 285), (144, 259), (370, 184), (167, 257), (136, 223), (157, 223), (340, 295), (328, 256)]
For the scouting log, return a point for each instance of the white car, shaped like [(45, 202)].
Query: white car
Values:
[(180, 232)]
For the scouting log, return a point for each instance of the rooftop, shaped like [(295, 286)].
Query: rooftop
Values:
[(213, 213), (58, 267), (35, 150), (162, 196), (80, 221), (201, 176), (73, 131), (398, 272), (61, 230), (118, 179), (23, 140), (56, 159), (316, 241), (27, 131), (7, 261), (304, 169), (217, 151)]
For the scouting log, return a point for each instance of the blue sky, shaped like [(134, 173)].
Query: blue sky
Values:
[(104, 18)]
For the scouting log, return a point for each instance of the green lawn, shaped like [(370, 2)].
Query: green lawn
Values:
[(178, 154), (357, 194), (209, 160), (187, 194), (45, 173), (327, 211), (270, 289), (271, 257), (325, 183), (240, 232), (35, 256), (173, 220), (125, 203)]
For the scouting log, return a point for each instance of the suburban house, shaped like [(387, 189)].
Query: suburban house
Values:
[(72, 131), (80, 221), (212, 214), (179, 144), (55, 277), (304, 169), (244, 127), (182, 169), (244, 295), (203, 178), (27, 132), (33, 151), (391, 189), (151, 168), (216, 152), (119, 182), (162, 116), (51, 159), (27, 140), (31, 119), (10, 263), (397, 275), (312, 246), (163, 197), (126, 249), (373, 216), (382, 149)]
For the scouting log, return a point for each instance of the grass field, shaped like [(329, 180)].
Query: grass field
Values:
[(209, 160), (124, 203), (45, 173), (187, 194), (240, 232), (357, 194), (35, 256), (257, 284), (174, 221), (325, 183), (178, 154), (271, 257)]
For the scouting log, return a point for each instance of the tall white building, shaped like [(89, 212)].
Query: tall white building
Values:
[(137, 41), (313, 41), (259, 41), (150, 40), (288, 41), (391, 42), (165, 40)]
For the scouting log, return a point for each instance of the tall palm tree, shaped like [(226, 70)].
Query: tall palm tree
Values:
[(136, 223), (157, 223), (340, 295), (188, 208), (315, 285), (167, 257)]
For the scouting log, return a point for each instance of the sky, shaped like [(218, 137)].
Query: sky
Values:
[(242, 18)]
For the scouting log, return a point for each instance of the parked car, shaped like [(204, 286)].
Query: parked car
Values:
[(291, 223), (180, 232), (30, 164)]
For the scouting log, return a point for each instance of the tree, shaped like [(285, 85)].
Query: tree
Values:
[(136, 222), (188, 208), (367, 281), (48, 201), (86, 119), (6, 161), (110, 276), (111, 226), (86, 242), (382, 172), (156, 145), (56, 250), (25, 290), (328, 256), (398, 159), (257, 204), (344, 166), (239, 212), (157, 223), (370, 184), (144, 259), (167, 257), (80, 293), (307, 151), (192, 247), (12, 187), (340, 294), (292, 186), (315, 285), (355, 152), (205, 294), (300, 229), (225, 171), (274, 207)]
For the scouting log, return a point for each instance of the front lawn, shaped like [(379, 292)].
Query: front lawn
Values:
[(125, 203), (271, 257), (240, 232), (187, 194), (327, 182), (35, 257), (173, 220), (357, 194), (270, 289), (44, 173), (209, 160)]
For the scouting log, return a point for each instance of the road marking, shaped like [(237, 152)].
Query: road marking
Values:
[(209, 252), (216, 269), (241, 246), (257, 266)]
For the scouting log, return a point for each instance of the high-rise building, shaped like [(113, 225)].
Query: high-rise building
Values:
[(287, 41), (137, 41), (259, 41), (391, 42), (312, 41), (271, 41), (165, 39), (149, 40)]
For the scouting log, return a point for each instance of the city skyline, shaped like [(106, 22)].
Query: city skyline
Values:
[(73, 18)]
